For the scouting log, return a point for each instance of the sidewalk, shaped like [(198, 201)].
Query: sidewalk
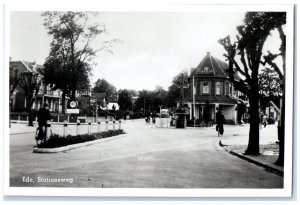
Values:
[(235, 141)]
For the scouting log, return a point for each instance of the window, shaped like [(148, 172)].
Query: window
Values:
[(226, 88), (218, 88), (205, 88)]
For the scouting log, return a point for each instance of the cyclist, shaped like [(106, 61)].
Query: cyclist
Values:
[(43, 116)]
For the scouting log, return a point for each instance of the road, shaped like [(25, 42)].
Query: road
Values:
[(148, 157)]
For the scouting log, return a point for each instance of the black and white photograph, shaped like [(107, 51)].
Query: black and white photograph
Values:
[(168, 100)]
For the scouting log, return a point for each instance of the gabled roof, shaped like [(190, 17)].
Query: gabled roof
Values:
[(212, 67)]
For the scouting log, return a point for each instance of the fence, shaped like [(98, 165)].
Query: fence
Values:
[(79, 128), (59, 118)]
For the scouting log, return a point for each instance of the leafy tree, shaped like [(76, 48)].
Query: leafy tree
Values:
[(249, 47), (269, 84), (102, 86), (14, 79), (124, 100), (69, 62), (177, 90), (143, 102)]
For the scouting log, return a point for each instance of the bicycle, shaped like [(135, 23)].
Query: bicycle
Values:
[(41, 135)]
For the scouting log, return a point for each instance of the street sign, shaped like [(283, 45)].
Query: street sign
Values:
[(73, 104), (72, 111)]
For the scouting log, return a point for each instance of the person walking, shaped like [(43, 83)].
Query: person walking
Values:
[(264, 119), (220, 119)]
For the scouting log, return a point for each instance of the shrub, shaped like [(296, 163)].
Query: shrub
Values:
[(56, 140)]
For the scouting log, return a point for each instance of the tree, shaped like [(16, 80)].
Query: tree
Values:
[(143, 102), (30, 82), (269, 59), (102, 86), (249, 47), (175, 93), (124, 100), (14, 79), (269, 84), (69, 62)]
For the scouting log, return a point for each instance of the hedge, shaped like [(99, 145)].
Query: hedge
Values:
[(56, 140)]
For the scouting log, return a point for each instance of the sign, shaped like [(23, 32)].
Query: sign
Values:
[(72, 111), (73, 104)]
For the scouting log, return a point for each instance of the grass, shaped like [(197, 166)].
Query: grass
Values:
[(56, 140)]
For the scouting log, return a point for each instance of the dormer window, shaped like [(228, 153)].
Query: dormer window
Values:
[(206, 69), (205, 87)]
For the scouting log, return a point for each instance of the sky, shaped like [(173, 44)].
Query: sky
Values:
[(155, 47)]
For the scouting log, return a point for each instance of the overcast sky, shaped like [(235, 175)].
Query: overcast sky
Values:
[(155, 48)]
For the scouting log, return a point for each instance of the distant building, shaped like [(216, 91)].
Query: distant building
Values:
[(212, 86), (45, 94)]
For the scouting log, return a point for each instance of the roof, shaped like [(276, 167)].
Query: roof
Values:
[(211, 99), (29, 66), (211, 66)]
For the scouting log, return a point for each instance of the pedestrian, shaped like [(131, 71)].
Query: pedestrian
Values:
[(264, 120), (43, 116), (220, 119)]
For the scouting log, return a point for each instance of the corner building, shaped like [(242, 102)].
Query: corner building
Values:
[(210, 85)]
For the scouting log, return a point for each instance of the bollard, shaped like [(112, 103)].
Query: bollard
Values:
[(119, 124), (26, 118), (68, 118), (77, 128), (99, 126), (47, 130), (19, 118), (65, 128), (89, 127), (114, 125), (57, 118), (106, 126)]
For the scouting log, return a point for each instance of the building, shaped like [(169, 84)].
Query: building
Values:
[(45, 94), (211, 89)]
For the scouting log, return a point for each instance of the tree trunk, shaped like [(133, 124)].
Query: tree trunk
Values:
[(280, 160), (63, 102), (253, 143), (30, 113)]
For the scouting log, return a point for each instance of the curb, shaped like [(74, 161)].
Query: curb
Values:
[(244, 157), (22, 133), (75, 146)]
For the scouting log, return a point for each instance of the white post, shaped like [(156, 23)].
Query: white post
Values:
[(99, 126), (68, 118), (89, 127), (78, 127), (57, 117), (19, 118), (65, 128), (26, 118), (119, 124), (106, 126), (114, 125), (47, 130)]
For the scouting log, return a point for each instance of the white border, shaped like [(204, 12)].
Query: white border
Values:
[(151, 7)]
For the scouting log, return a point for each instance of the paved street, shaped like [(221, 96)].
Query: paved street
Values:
[(148, 157)]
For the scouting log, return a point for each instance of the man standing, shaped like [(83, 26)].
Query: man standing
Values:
[(220, 119), (43, 116)]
